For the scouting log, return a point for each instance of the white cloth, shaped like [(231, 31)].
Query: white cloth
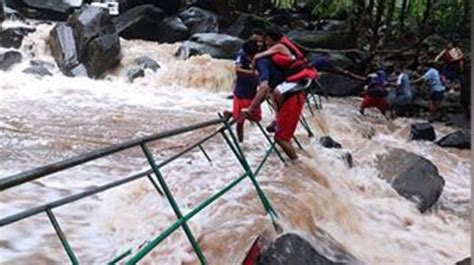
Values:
[(285, 87)]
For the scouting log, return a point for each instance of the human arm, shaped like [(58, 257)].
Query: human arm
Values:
[(244, 72), (272, 50), (352, 75), (439, 55)]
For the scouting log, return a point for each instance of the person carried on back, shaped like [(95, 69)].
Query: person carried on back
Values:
[(280, 69)]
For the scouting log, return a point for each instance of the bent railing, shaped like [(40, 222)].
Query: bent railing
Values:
[(224, 130)]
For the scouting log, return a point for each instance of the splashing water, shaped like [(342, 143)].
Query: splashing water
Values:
[(43, 121)]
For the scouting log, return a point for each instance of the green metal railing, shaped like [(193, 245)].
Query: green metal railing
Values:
[(224, 130)]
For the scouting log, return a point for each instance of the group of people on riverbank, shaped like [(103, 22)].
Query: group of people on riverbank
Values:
[(270, 67)]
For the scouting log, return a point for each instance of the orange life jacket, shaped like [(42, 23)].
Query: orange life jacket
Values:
[(296, 67)]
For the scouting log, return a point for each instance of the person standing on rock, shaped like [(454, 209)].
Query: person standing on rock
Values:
[(245, 88), (436, 88), (283, 62)]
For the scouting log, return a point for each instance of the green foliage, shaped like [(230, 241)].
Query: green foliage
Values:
[(322, 8), (446, 16)]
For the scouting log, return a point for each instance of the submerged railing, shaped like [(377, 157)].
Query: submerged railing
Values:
[(224, 130)]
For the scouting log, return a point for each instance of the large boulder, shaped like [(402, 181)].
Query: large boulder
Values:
[(422, 131), (295, 250), (458, 139), (199, 20), (8, 59), (13, 37), (244, 26), (63, 48), (102, 53), (334, 25), (170, 7), (412, 176), (333, 58), (337, 40), (220, 7), (45, 9), (2, 14), (172, 29), (140, 22), (338, 85), (89, 40), (220, 46), (150, 23)]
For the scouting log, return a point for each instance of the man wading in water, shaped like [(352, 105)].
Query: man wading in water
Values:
[(282, 64)]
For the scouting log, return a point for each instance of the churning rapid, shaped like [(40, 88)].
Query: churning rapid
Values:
[(57, 117)]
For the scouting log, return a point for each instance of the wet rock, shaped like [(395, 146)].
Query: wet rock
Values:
[(150, 23), (412, 176), (13, 37), (135, 72), (12, 14), (295, 250), (41, 63), (347, 158), (466, 261), (217, 45), (199, 20), (244, 26), (140, 23), (172, 29), (334, 25), (79, 70), (338, 85), (335, 40), (89, 38), (2, 13), (458, 139), (138, 70), (170, 7), (38, 71), (220, 7), (328, 142), (102, 53), (63, 48), (423, 131), (333, 58), (283, 18), (45, 9), (8, 59), (146, 62)]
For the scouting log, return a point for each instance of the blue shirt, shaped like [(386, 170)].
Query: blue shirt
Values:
[(433, 80), (267, 71), (246, 85)]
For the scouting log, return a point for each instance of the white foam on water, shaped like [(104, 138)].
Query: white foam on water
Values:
[(53, 118)]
